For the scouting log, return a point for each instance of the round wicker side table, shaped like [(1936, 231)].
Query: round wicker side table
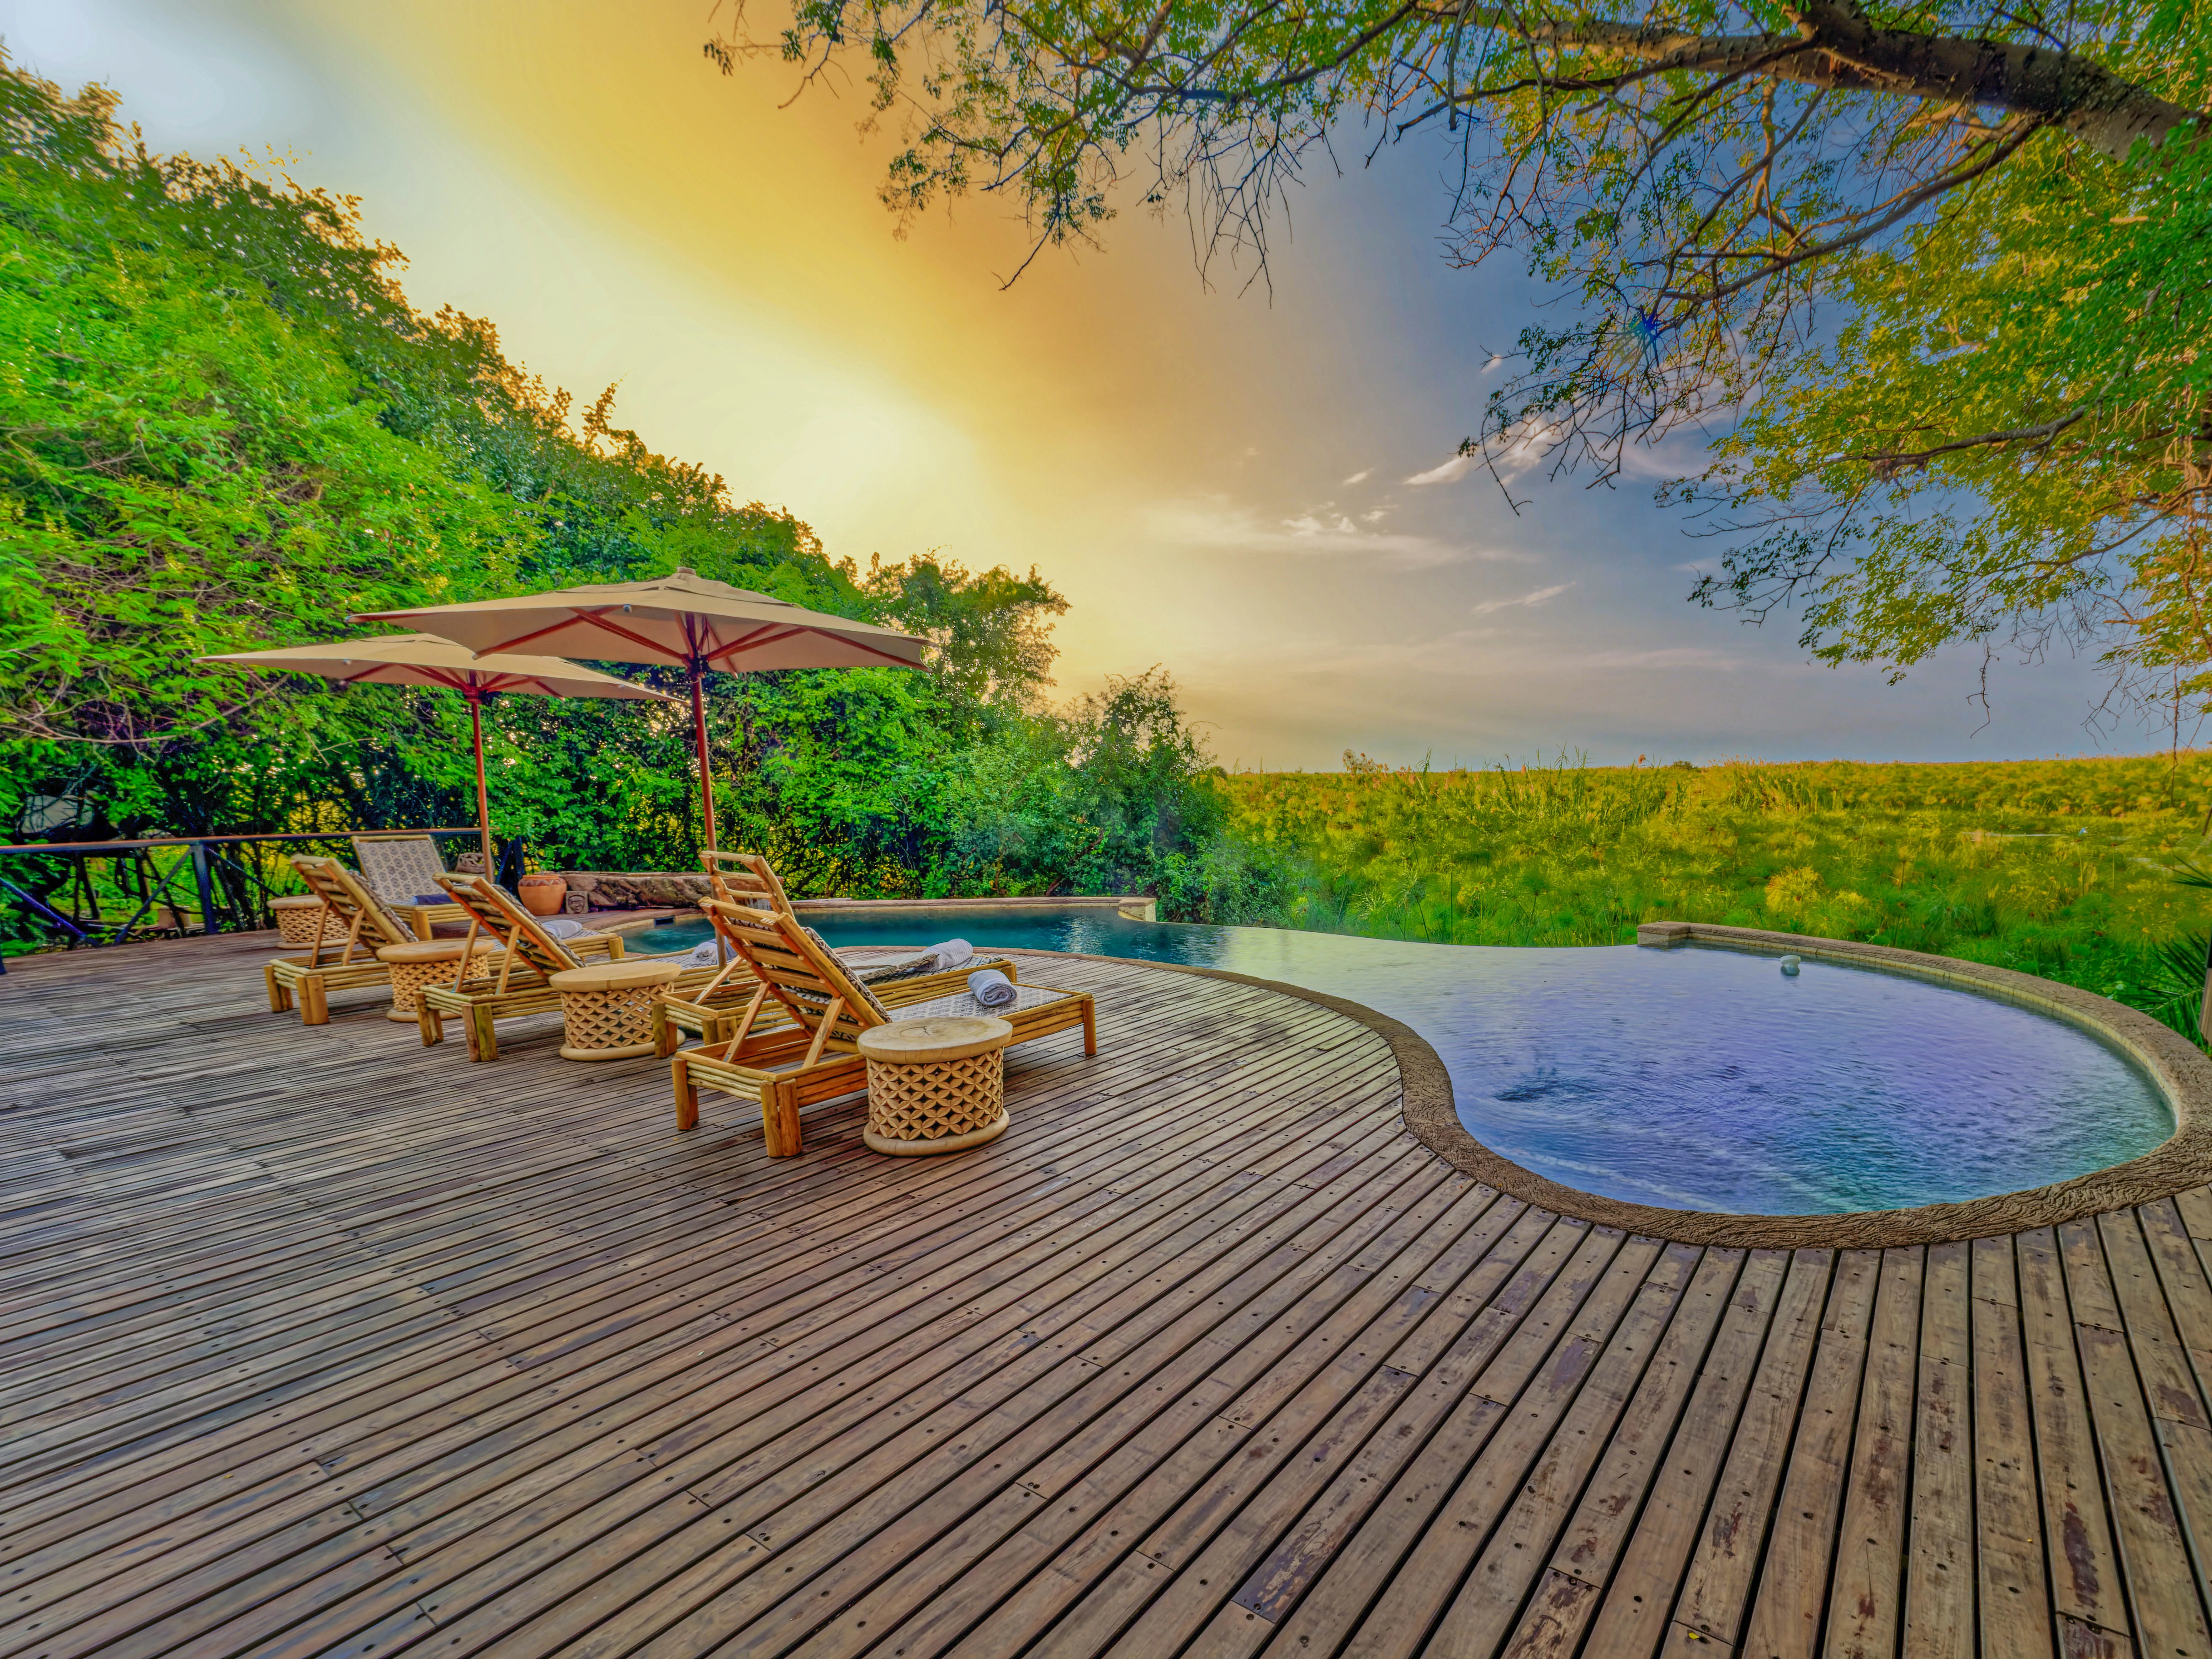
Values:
[(935, 1085), (415, 965), (607, 1008), (296, 919)]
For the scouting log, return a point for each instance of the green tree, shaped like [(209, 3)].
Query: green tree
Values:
[(992, 631), (221, 427), (184, 469), (1935, 271)]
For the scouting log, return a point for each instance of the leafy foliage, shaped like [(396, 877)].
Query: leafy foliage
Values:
[(2068, 317), (992, 632), (221, 428)]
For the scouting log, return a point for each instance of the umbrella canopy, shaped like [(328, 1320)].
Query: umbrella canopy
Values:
[(680, 621), (426, 660)]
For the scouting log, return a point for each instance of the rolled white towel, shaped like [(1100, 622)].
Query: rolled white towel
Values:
[(990, 988), (705, 955), (562, 927), (950, 954)]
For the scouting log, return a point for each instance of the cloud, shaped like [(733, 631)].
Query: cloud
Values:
[(1539, 597), (1312, 524), (1451, 472), (1678, 455), (1362, 476), (1216, 522)]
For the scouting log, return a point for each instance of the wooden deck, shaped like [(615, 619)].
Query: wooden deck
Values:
[(318, 1342)]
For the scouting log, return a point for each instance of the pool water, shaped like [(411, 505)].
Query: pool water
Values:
[(1694, 1079)]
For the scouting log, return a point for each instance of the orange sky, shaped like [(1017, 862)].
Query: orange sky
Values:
[(1249, 491)]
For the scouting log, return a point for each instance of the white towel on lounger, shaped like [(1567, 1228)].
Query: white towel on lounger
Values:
[(990, 988)]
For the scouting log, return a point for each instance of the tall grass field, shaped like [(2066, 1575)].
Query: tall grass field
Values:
[(2077, 870)]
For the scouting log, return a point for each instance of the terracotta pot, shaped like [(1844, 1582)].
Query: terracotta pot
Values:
[(543, 893)]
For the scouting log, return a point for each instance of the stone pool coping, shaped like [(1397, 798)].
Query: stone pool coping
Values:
[(2181, 1071)]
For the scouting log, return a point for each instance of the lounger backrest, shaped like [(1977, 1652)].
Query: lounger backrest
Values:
[(399, 869), (798, 969), (533, 954), (744, 878), (367, 923)]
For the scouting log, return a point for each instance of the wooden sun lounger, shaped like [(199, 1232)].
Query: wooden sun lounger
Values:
[(516, 981), (709, 1012), (809, 1056), (403, 871), (334, 965), (749, 880), (523, 985), (744, 878)]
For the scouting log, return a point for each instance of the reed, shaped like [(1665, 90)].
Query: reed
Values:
[(2065, 868)]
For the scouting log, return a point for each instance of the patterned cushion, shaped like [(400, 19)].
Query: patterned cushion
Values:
[(381, 920), (400, 869), (964, 1003), (886, 972), (866, 995)]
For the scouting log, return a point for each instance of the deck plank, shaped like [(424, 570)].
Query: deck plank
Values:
[(2087, 1594), (1865, 1619), (1718, 1586), (2011, 1585)]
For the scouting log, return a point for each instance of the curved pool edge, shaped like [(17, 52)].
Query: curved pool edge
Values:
[(2182, 1072)]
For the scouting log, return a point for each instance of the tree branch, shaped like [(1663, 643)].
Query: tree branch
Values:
[(1889, 466)]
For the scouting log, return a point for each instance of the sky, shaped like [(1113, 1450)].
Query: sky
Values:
[(1248, 484)]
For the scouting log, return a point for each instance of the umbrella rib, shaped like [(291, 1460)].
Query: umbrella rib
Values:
[(753, 643), (620, 632), (753, 640), (535, 633)]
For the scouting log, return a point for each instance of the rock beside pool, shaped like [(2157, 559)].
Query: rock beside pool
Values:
[(637, 889)]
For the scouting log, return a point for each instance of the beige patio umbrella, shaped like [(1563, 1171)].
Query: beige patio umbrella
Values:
[(426, 660), (681, 621)]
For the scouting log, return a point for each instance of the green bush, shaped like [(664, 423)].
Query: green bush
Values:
[(226, 428)]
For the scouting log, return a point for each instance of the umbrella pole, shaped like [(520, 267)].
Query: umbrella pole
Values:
[(483, 799), (699, 731)]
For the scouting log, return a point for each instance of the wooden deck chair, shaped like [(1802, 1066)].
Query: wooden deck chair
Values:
[(345, 964), (812, 1057), (532, 955), (711, 1013), (403, 871), (737, 878), (516, 980), (744, 878)]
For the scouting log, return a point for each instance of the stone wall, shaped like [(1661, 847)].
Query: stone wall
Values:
[(636, 890)]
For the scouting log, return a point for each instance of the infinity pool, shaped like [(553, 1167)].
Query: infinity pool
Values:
[(1694, 1079)]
